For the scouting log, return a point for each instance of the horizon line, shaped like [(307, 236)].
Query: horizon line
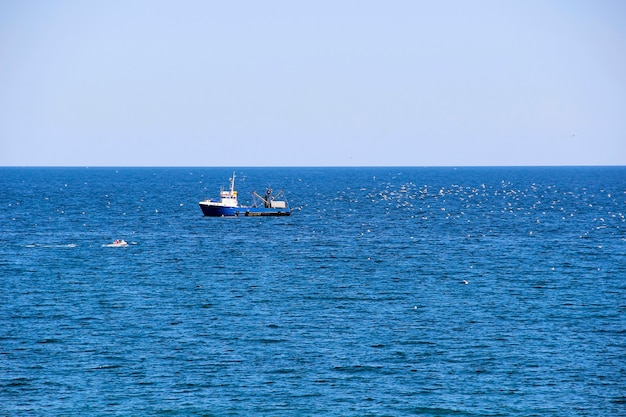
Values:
[(318, 166)]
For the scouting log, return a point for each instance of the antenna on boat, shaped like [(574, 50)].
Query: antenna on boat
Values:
[(232, 183)]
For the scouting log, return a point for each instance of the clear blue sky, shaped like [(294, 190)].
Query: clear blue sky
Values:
[(312, 83)]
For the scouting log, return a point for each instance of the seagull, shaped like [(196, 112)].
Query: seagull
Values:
[(465, 281)]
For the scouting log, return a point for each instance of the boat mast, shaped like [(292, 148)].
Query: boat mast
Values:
[(232, 184)]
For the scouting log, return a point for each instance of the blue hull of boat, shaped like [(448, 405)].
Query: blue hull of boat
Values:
[(217, 211)]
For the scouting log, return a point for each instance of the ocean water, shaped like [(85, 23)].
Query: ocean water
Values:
[(388, 292)]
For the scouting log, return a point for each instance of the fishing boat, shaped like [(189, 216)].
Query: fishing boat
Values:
[(228, 205)]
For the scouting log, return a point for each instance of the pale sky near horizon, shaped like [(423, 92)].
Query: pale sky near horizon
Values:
[(312, 83)]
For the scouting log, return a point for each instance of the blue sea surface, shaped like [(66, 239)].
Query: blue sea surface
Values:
[(388, 292)]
